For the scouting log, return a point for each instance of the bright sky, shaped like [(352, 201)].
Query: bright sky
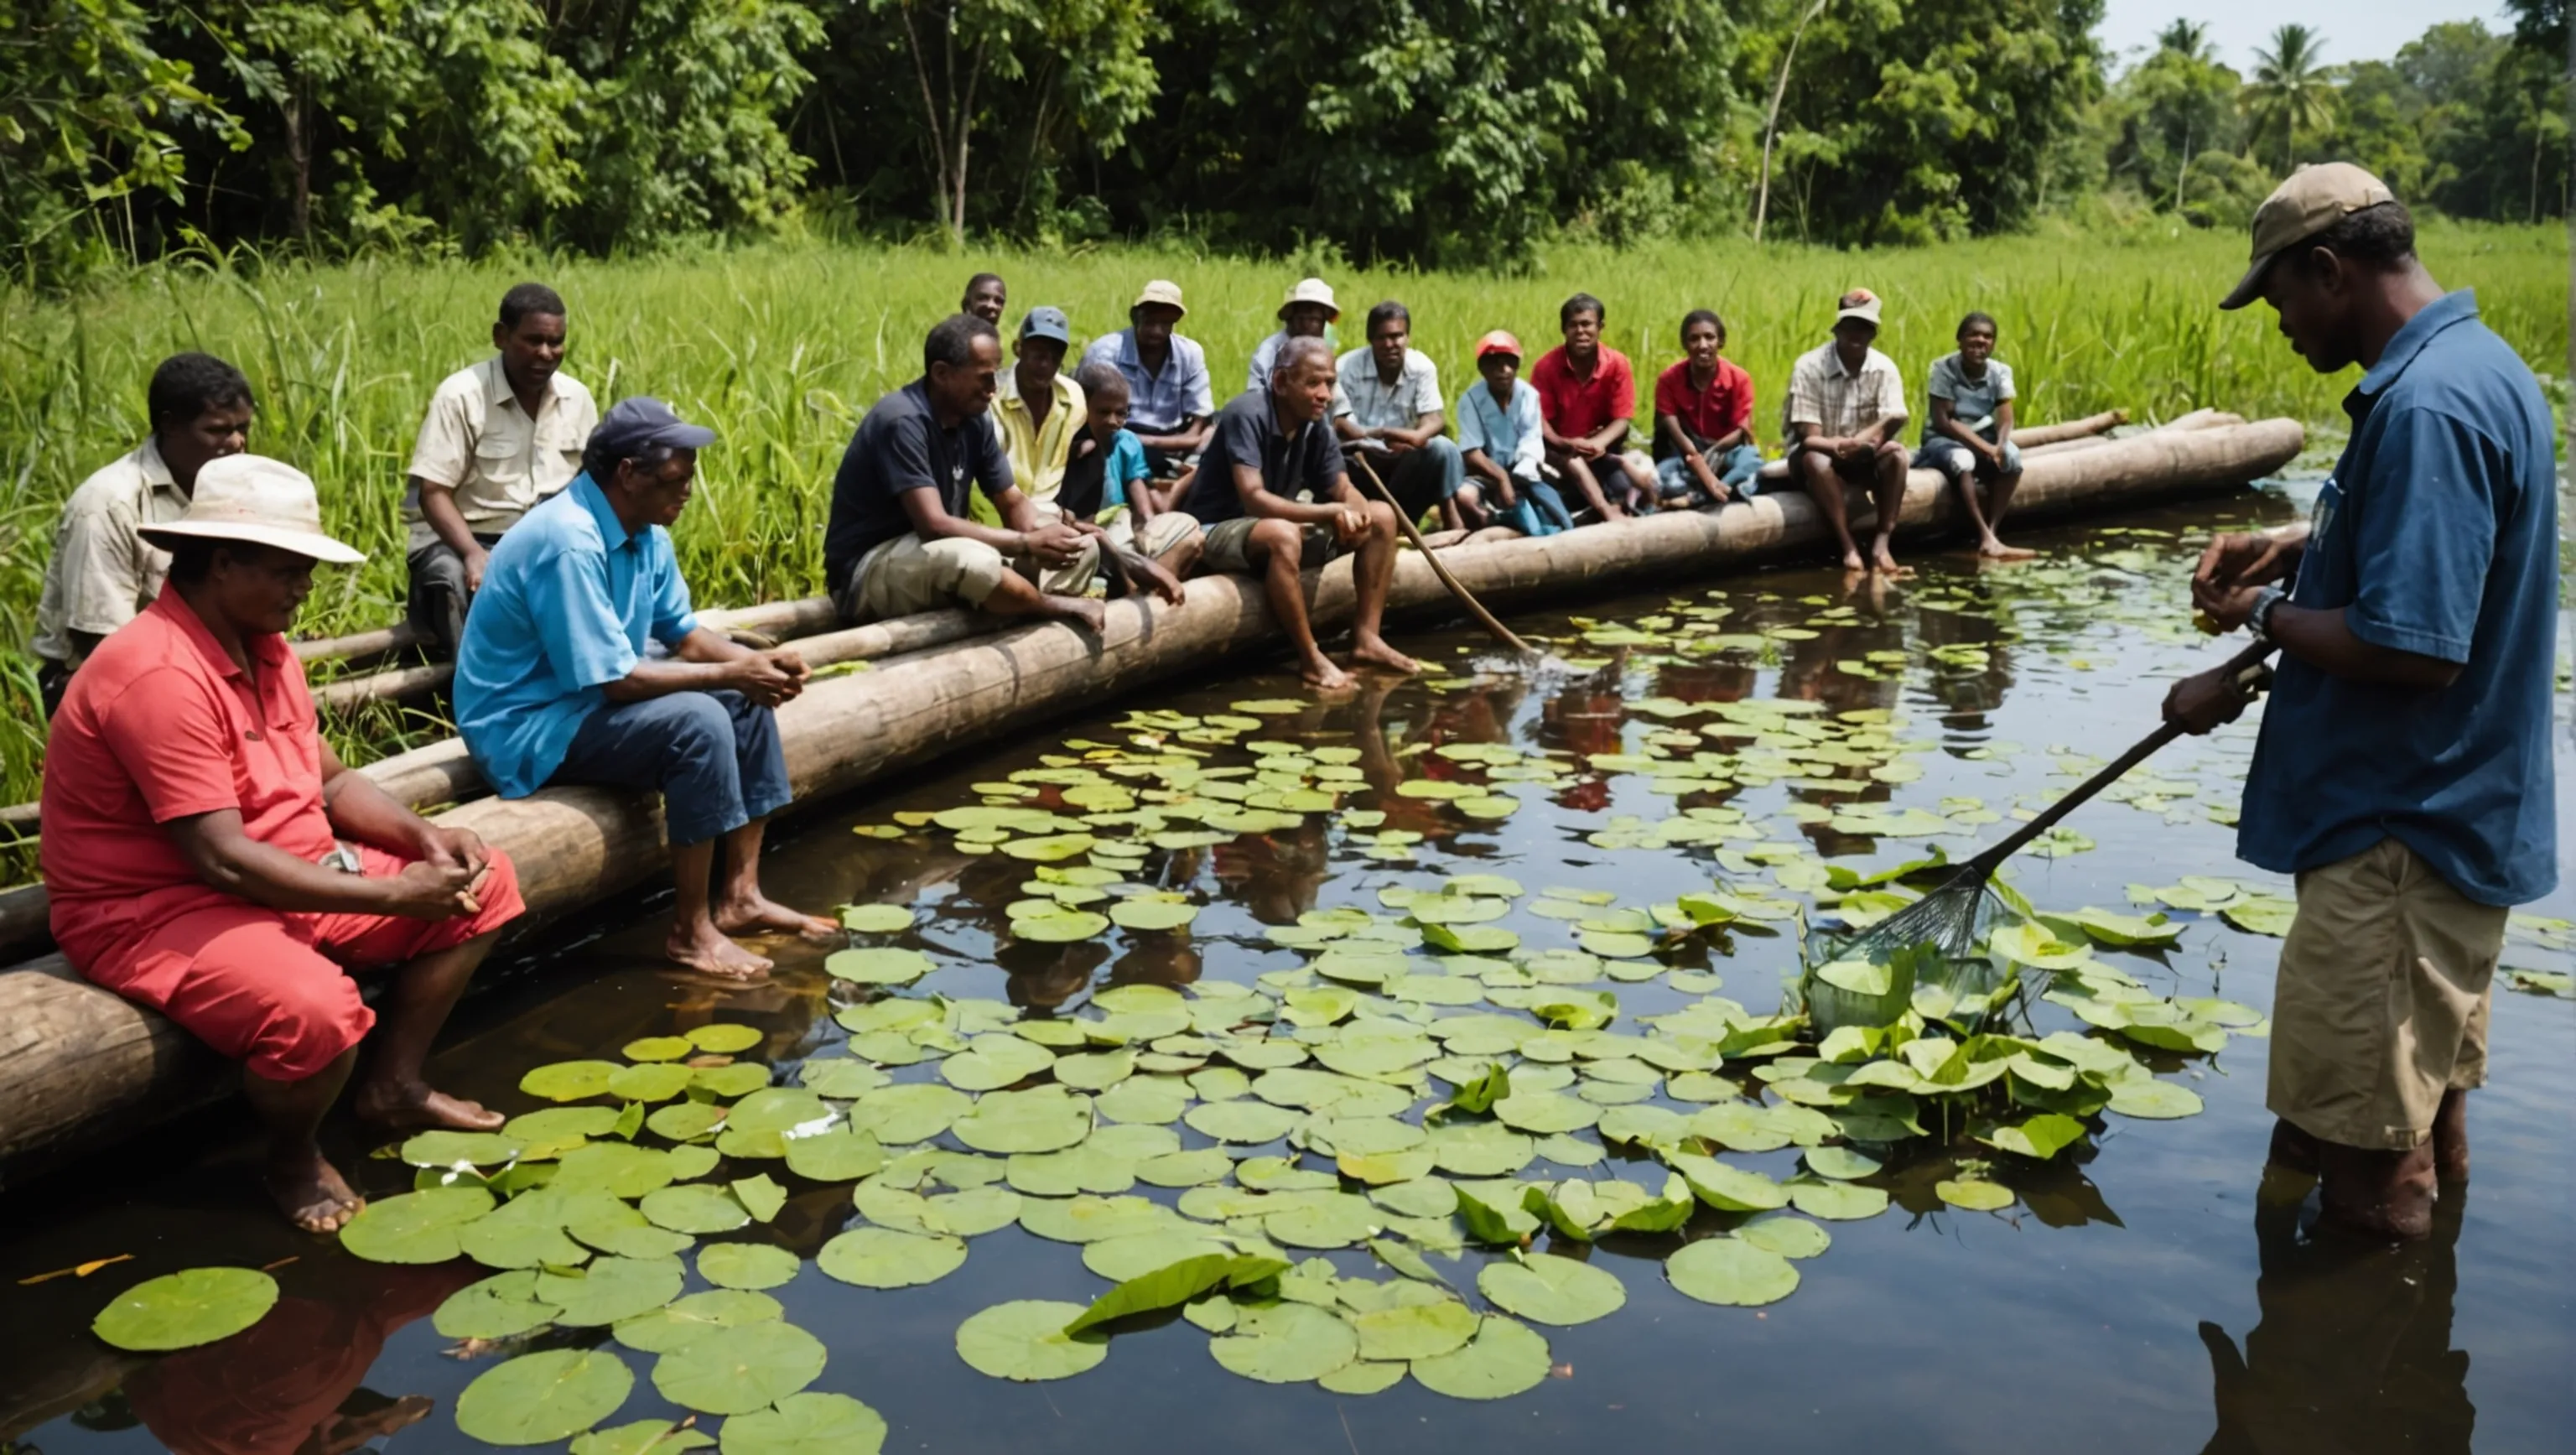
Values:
[(2355, 30)]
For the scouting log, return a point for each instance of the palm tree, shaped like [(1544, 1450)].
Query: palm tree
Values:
[(2186, 38), (2292, 89)]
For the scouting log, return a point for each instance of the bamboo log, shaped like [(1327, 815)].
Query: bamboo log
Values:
[(382, 642), (80, 1067), (2089, 426)]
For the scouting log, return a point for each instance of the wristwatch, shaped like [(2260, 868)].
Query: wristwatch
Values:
[(2260, 616)]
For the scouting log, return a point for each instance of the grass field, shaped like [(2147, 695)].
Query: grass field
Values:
[(781, 349)]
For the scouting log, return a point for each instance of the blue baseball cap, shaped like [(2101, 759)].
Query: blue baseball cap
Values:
[(639, 422), (1048, 323)]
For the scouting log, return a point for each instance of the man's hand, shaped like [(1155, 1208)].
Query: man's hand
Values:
[(1350, 527), (454, 848), (1054, 544), (477, 561), (2258, 559), (424, 890), (762, 678), (2205, 701), (1853, 452), (2229, 606), (1584, 449)]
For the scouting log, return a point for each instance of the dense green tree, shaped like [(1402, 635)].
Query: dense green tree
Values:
[(2176, 128), (2293, 89)]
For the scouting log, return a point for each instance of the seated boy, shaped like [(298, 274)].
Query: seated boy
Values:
[(1969, 434), (1502, 445), (1108, 487), (1704, 420)]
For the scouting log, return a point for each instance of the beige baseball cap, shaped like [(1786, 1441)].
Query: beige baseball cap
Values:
[(1311, 290), (255, 499), (2312, 200), (1859, 303), (1163, 291)]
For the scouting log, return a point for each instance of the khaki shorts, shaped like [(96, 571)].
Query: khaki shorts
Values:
[(2381, 1003), (908, 574), (1227, 542), (1161, 536)]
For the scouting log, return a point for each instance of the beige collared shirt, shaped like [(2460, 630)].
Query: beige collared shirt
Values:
[(102, 572), (478, 442), (1843, 404)]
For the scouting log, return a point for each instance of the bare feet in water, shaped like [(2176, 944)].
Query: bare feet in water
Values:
[(309, 1190), (706, 950), (1372, 651), (762, 915), (1321, 674), (418, 1104), (1993, 549), (1883, 561)]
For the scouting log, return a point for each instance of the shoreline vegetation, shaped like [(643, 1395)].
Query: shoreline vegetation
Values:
[(782, 346)]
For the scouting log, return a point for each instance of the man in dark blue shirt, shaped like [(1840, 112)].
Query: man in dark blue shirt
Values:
[(2403, 772), (901, 538), (1274, 495)]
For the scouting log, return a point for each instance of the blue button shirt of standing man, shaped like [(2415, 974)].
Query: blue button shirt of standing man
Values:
[(2403, 772), (554, 684)]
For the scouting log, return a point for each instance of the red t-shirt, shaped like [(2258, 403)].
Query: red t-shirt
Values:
[(1720, 409), (1577, 406), (159, 725)]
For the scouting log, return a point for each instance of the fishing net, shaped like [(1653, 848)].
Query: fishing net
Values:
[(1953, 918), (1936, 944)]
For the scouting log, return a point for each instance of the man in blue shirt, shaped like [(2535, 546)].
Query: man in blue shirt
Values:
[(1168, 399), (553, 684), (2403, 772)]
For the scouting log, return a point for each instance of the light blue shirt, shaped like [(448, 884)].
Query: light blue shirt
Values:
[(566, 607), (1157, 403), (1509, 437)]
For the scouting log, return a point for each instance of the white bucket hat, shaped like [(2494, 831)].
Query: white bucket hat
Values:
[(258, 500), (1311, 290)]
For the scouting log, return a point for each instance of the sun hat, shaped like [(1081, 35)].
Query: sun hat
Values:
[(1047, 323), (1162, 291), (257, 500), (1859, 303), (1500, 341), (2309, 201), (639, 422), (1311, 290)]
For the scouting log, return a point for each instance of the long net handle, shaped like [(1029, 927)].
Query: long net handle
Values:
[(2242, 667), (1457, 588)]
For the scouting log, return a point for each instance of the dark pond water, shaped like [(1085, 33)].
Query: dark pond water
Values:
[(2137, 1295)]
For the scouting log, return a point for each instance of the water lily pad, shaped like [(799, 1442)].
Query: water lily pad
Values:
[(1194, 1168), (1121, 1259), (1152, 915), (878, 965), (1543, 1112), (1096, 1219), (683, 1321), (1418, 1331), (1840, 1163), (694, 1208), (884, 1258), (537, 1399), (877, 919), (182, 1310), (651, 1082), (1504, 1359), (616, 1168), (1787, 1236), (1061, 928), (569, 1080), (976, 1211), (1363, 1377), (1096, 1071), (657, 1048), (839, 1155), (2149, 1099), (640, 1437), (1548, 1289), (912, 1112), (1041, 1119), (496, 1308), (414, 1227), (1837, 1201), (1286, 1343), (1974, 1194), (1480, 1149), (1025, 1341), (733, 1371), (610, 1290), (461, 1149), (725, 1038), (1731, 1271), (1248, 1122), (812, 1423), (747, 1265)]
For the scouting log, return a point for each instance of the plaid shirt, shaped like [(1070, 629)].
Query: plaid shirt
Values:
[(1842, 404)]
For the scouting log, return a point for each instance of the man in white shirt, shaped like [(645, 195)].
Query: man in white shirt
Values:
[(501, 436), (1387, 408), (1846, 409)]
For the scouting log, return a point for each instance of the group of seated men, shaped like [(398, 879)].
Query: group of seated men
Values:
[(209, 856)]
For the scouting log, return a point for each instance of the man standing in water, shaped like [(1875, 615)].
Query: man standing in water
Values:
[(2403, 772)]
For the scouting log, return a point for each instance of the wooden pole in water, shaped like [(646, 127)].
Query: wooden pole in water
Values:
[(1431, 558), (81, 1068)]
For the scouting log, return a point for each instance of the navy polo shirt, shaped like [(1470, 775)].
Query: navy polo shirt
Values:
[(2438, 535)]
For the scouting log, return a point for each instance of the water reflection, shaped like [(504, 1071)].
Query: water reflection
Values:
[(2353, 1352)]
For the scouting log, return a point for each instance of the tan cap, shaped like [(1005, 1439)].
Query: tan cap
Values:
[(2312, 200), (1859, 303), (259, 500), (1162, 291), (1311, 290)]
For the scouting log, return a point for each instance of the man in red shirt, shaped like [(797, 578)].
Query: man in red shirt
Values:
[(1587, 395), (209, 856), (1704, 418)]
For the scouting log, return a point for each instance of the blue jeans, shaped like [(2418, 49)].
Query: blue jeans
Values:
[(1735, 468), (714, 755)]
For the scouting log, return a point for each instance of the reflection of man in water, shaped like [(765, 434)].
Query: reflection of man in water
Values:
[(2353, 1353), (288, 1385), (1276, 875)]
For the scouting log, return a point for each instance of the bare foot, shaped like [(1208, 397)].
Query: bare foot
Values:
[(1883, 561), (1320, 672), (760, 915), (1374, 652), (1853, 565), (1081, 611), (417, 1104), (1992, 549), (1151, 576), (707, 951), (310, 1191)]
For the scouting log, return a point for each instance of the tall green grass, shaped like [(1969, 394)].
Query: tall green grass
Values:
[(782, 348)]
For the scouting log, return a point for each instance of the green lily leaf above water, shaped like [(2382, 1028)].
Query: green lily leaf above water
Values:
[(810, 1423), (537, 1399), (739, 1369), (1025, 1341), (185, 1309)]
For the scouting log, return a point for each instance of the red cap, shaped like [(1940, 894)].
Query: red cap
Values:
[(1500, 341)]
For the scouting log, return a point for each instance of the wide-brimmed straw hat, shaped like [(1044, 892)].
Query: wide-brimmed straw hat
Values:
[(2311, 200), (1311, 290), (259, 501), (1163, 291)]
